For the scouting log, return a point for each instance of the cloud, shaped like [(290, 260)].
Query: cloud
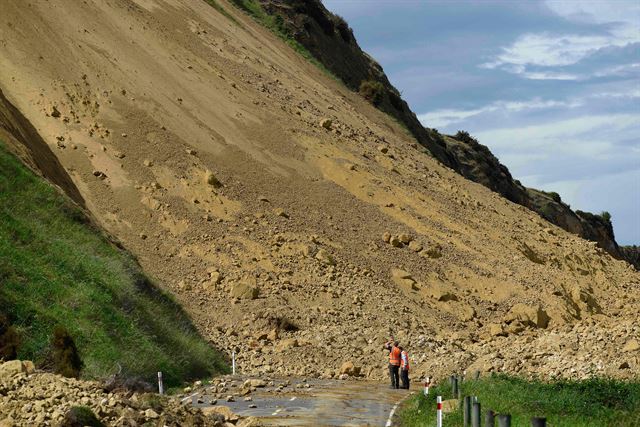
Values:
[(444, 117), (535, 55)]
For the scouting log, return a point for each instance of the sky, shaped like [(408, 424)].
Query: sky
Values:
[(551, 87)]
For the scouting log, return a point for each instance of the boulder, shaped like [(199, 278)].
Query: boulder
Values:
[(225, 411), (325, 257), (405, 238), (246, 289), (326, 123), (11, 368), (395, 242), (496, 330), (632, 345), (403, 279), (528, 315), (415, 246), (386, 237), (350, 369)]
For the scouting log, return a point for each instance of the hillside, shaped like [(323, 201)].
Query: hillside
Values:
[(331, 41), (57, 270), (292, 219)]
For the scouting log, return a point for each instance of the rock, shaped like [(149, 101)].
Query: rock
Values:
[(386, 237), (395, 242), (99, 174), (281, 212), (383, 149), (624, 365), (632, 345), (28, 367), (190, 152), (415, 246), (211, 179), (533, 316), (55, 112), (147, 163), (256, 382), (403, 279), (433, 251), (225, 411), (273, 335), (450, 405), (326, 123), (245, 289), (151, 414), (496, 330), (287, 344), (11, 368), (325, 257), (350, 369), (405, 238)]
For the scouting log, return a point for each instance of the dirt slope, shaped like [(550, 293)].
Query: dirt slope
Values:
[(201, 144)]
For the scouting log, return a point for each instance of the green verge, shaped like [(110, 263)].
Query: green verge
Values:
[(596, 402), (57, 269)]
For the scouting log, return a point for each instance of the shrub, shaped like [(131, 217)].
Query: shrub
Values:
[(9, 340), (555, 196), (464, 136), (80, 416), (65, 357), (372, 91), (606, 216)]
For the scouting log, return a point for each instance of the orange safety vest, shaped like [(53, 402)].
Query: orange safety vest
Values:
[(404, 364), (394, 356)]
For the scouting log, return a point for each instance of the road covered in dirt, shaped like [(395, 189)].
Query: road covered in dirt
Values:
[(283, 402)]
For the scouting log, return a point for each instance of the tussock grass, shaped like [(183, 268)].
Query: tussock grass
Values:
[(595, 402), (56, 269)]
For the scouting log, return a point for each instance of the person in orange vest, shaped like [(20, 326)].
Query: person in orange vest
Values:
[(404, 368), (394, 362)]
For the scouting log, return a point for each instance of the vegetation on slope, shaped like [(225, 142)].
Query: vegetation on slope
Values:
[(57, 270), (590, 403)]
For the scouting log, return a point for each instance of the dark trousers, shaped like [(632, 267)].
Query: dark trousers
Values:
[(404, 376), (393, 374)]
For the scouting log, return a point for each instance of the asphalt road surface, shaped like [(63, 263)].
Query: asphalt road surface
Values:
[(315, 403)]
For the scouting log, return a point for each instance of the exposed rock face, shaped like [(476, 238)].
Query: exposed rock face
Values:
[(331, 41)]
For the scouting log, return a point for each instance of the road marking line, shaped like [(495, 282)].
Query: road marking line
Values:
[(393, 411), (293, 398), (189, 397), (277, 411)]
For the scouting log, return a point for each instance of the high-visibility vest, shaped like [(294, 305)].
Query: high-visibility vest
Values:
[(405, 360), (394, 356)]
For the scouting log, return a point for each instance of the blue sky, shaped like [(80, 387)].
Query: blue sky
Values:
[(552, 87)]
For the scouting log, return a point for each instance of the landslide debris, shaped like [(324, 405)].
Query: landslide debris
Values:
[(330, 40), (311, 221)]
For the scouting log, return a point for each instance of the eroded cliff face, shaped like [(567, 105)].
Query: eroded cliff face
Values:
[(329, 38)]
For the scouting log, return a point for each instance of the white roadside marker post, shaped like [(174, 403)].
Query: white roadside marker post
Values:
[(160, 385), (427, 383), (233, 362), (439, 411)]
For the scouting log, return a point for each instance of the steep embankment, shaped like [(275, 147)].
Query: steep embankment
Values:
[(330, 40), (295, 222), (57, 270)]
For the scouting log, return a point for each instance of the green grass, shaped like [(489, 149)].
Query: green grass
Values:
[(57, 269), (590, 403), (217, 6)]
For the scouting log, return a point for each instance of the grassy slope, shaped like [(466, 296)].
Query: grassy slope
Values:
[(55, 268), (591, 403)]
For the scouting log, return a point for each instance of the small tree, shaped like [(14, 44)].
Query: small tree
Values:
[(605, 216)]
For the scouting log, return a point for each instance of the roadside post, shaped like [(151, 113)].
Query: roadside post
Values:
[(466, 411), (538, 422), (233, 362), (475, 415), (160, 384), (427, 383), (454, 387), (439, 411), (504, 420)]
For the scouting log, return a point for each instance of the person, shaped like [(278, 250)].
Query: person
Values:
[(394, 362), (404, 368)]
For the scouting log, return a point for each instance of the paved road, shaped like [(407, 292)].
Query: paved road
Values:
[(322, 403)]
